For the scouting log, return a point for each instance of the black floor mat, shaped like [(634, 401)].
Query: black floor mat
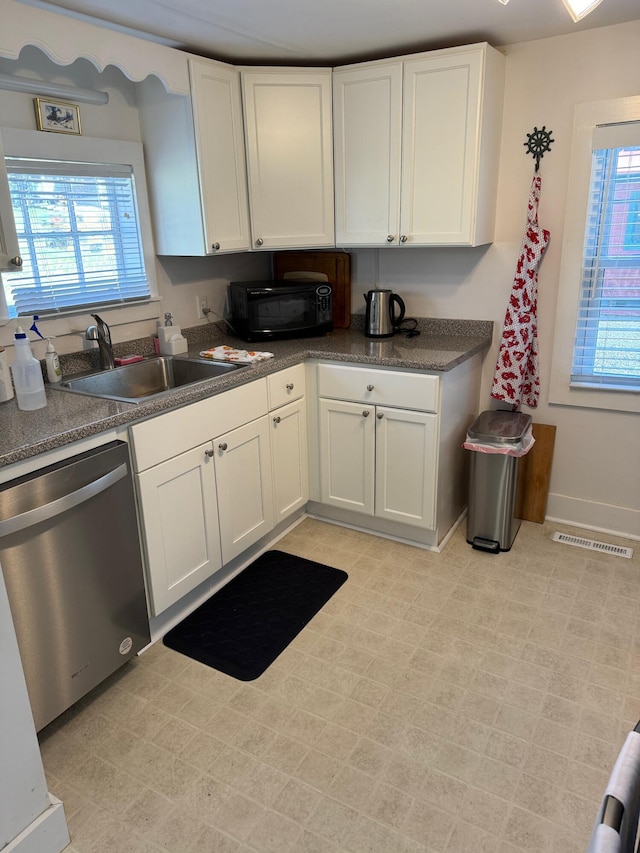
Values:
[(243, 628)]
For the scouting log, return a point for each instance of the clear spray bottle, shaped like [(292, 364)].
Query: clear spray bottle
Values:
[(27, 375)]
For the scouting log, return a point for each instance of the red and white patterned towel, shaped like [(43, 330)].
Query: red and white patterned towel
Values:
[(516, 377)]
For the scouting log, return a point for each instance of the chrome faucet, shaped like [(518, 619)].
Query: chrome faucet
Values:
[(102, 334)]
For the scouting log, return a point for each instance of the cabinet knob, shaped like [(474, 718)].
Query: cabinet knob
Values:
[(276, 420), (259, 241), (403, 238), (208, 453), (223, 445), (370, 387), (289, 386), (17, 261), (366, 413), (390, 238), (215, 246), (379, 416)]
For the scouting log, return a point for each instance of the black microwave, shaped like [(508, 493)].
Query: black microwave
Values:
[(271, 310)]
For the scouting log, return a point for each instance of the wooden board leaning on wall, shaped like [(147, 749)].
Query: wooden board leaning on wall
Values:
[(534, 474), (337, 268)]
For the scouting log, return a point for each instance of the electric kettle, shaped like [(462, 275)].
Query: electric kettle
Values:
[(381, 320)]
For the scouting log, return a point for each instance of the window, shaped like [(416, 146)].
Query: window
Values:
[(81, 212), (79, 236), (607, 346), (596, 352)]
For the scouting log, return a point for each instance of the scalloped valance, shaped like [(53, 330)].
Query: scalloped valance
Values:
[(64, 39)]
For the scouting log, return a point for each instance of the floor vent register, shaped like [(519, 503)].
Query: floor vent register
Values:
[(604, 547)]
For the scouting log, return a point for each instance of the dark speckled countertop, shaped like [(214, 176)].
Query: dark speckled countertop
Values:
[(441, 345)]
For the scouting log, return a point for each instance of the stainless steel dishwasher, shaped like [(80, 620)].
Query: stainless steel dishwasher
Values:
[(70, 556)]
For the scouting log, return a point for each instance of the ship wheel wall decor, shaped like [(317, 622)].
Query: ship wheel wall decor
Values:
[(538, 142)]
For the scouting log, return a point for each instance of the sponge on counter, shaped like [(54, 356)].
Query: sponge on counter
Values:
[(127, 359)]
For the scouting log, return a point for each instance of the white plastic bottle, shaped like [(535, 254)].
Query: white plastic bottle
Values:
[(27, 375), (54, 372)]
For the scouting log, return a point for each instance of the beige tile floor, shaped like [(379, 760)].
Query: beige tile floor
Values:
[(452, 703)]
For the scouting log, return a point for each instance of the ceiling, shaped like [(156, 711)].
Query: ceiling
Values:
[(330, 32)]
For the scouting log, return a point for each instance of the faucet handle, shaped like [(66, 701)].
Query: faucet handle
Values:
[(168, 319), (91, 334)]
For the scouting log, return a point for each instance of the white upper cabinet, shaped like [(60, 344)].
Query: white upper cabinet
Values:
[(417, 144), (194, 148), (367, 116), (9, 249), (288, 132)]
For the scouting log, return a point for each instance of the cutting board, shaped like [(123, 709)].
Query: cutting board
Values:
[(534, 474), (337, 268)]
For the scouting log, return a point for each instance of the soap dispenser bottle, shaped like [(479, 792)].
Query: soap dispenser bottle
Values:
[(27, 375), (54, 372)]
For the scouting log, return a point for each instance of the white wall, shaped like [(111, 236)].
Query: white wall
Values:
[(596, 468)]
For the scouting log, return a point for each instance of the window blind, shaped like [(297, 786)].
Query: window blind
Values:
[(607, 341), (79, 236)]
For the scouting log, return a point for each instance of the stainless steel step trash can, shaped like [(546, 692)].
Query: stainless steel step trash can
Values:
[(496, 440)]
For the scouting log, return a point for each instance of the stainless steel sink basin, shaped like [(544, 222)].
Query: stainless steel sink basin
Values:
[(153, 377)]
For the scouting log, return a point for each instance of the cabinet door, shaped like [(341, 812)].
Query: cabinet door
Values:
[(9, 249), (440, 147), (217, 114), (367, 110), (289, 459), (177, 501), (245, 491), (406, 466), (289, 157), (347, 455)]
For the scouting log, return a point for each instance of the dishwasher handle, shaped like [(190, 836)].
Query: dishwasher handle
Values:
[(66, 502)]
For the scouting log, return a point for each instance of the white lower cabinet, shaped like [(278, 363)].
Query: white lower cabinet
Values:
[(290, 464), (406, 466), (379, 461), (244, 485), (204, 487), (179, 512), (289, 459), (385, 447)]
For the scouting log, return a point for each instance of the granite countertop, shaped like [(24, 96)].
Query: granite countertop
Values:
[(441, 345)]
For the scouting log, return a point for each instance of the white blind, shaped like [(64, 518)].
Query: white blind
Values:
[(607, 343), (79, 236)]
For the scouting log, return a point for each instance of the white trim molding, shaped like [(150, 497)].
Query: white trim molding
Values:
[(593, 515), (64, 39), (48, 833), (587, 117)]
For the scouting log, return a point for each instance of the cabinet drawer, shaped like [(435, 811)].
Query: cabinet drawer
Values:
[(379, 387), (286, 386), (160, 438)]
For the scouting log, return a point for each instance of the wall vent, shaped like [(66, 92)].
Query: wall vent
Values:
[(604, 547)]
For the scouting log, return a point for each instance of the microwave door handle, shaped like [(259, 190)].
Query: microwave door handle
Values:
[(43, 513)]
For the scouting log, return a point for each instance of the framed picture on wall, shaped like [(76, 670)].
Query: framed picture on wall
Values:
[(57, 116)]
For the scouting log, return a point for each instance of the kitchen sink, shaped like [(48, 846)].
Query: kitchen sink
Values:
[(143, 380)]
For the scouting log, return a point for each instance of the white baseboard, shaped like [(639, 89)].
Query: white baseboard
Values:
[(603, 518), (48, 833)]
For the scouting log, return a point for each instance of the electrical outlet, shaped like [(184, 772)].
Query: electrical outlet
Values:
[(202, 303)]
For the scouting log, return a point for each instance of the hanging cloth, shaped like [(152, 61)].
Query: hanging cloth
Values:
[(516, 377)]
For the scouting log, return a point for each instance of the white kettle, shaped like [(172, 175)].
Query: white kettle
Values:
[(381, 320)]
